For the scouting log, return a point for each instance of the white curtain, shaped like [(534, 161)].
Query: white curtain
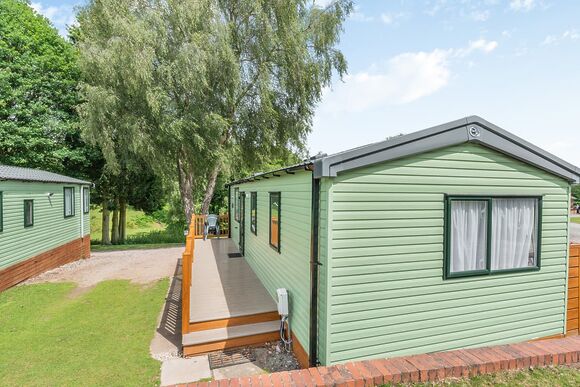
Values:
[(468, 235), (514, 223)]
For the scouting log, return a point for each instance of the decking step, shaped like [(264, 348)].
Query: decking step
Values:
[(224, 334)]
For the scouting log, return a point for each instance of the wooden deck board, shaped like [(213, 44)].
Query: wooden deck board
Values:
[(223, 287)]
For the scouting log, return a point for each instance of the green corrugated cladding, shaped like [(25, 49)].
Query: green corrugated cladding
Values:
[(386, 293), (51, 229), (290, 268)]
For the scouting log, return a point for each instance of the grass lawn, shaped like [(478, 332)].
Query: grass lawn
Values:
[(101, 337), (137, 223), (141, 246), (575, 219), (540, 377)]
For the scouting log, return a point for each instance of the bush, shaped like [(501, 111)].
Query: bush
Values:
[(169, 235)]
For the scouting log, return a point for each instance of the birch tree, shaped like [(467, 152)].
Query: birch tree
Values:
[(193, 84)]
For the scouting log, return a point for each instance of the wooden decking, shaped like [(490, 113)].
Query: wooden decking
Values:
[(223, 287), (228, 305)]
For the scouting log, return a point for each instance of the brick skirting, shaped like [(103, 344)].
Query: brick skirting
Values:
[(420, 368), (69, 252)]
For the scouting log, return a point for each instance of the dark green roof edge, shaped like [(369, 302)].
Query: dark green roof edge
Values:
[(470, 129), (8, 172)]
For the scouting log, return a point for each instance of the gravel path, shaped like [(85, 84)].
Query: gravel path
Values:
[(138, 266)]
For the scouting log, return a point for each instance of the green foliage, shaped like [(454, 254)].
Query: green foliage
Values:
[(100, 338), (576, 193), (145, 246), (138, 222), (38, 81), (198, 86)]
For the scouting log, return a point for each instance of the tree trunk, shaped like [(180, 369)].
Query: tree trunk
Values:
[(122, 220), (186, 189), (115, 225), (210, 189), (105, 240)]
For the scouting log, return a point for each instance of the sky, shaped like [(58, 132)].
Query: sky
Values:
[(413, 64)]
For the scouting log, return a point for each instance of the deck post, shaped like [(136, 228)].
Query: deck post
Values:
[(186, 266)]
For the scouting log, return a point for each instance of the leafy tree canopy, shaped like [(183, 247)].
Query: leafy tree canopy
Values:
[(195, 86), (38, 81)]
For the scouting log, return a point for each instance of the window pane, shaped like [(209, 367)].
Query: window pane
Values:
[(468, 235), (237, 204), (514, 230), (253, 211), (275, 220), (86, 200), (67, 201), (28, 213)]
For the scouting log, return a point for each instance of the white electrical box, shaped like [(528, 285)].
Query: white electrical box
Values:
[(282, 302)]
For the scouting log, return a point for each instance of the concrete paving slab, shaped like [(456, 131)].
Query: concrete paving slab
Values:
[(574, 232), (177, 371), (235, 371)]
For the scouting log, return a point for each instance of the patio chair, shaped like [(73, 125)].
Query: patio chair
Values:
[(211, 224)]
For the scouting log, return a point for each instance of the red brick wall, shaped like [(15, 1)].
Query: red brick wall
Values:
[(69, 252)]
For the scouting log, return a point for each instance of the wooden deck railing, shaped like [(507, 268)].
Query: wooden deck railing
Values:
[(186, 265), (200, 222), (573, 320)]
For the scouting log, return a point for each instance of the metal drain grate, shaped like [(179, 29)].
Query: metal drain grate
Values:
[(230, 357), (234, 255)]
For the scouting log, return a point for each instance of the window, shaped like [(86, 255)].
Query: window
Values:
[(237, 204), (275, 220), (254, 212), (69, 202), (86, 200), (487, 235), (28, 213), (1, 211)]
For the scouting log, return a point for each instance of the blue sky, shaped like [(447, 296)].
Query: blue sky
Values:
[(414, 64)]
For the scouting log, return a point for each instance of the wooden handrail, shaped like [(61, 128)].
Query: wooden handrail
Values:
[(186, 266)]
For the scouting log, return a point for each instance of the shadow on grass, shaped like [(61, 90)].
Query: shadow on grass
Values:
[(170, 325)]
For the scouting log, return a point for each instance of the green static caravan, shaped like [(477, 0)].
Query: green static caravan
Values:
[(451, 237), (44, 222)]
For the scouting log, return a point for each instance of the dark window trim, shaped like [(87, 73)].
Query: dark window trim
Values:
[(87, 205), (64, 202), (276, 193), (1, 211), (237, 203), (254, 207), (489, 199), (31, 201)]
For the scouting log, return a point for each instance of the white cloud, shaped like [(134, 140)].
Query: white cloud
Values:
[(482, 45), (402, 79), (391, 18), (480, 15), (60, 16), (359, 15), (523, 5), (556, 39), (405, 78), (323, 3)]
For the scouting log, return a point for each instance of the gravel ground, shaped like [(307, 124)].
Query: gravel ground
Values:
[(138, 266), (272, 357)]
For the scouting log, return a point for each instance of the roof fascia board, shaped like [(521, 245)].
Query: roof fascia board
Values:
[(425, 144), (323, 166), (449, 134), (523, 143), (506, 146)]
